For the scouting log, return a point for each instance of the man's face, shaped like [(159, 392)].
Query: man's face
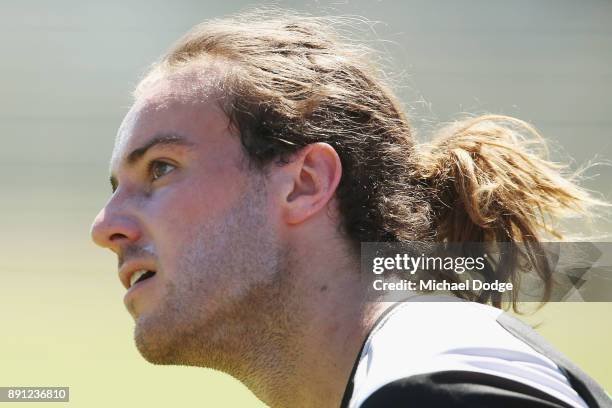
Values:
[(187, 208)]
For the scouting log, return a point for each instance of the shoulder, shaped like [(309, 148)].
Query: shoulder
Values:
[(459, 389), (457, 350)]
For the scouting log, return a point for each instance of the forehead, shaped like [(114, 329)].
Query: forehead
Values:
[(186, 104)]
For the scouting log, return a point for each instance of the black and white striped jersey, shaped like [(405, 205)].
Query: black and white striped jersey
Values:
[(430, 353)]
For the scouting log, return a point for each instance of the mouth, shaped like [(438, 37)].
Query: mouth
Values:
[(135, 272), (140, 276)]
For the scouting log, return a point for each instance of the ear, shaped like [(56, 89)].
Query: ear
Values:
[(314, 173)]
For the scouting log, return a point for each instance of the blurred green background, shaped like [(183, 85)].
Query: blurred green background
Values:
[(66, 73)]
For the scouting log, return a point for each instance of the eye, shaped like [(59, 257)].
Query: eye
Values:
[(158, 169)]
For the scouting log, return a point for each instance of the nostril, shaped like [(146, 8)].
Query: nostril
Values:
[(117, 236)]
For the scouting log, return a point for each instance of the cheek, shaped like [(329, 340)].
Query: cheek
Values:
[(190, 200), (177, 213)]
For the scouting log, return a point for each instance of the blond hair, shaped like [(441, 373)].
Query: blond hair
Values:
[(291, 80)]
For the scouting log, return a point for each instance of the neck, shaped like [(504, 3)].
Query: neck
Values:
[(329, 321)]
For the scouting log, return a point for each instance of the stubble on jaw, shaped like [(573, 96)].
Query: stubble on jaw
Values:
[(243, 325)]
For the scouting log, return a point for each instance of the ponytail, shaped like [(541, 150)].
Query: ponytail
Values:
[(490, 181)]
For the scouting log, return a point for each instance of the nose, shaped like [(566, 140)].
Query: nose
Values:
[(113, 229)]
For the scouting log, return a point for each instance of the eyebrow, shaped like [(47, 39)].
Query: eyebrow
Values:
[(160, 139)]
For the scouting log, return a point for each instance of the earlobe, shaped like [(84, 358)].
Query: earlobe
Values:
[(316, 171)]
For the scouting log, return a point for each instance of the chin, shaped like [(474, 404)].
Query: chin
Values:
[(155, 345), (164, 341)]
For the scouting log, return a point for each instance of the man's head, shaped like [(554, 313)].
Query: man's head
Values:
[(256, 144), (217, 232)]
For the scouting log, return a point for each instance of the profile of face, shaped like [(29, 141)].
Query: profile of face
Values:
[(192, 226)]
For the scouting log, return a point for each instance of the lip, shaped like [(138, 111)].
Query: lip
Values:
[(133, 291), (129, 268)]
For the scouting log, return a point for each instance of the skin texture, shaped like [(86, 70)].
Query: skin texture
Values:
[(248, 264)]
